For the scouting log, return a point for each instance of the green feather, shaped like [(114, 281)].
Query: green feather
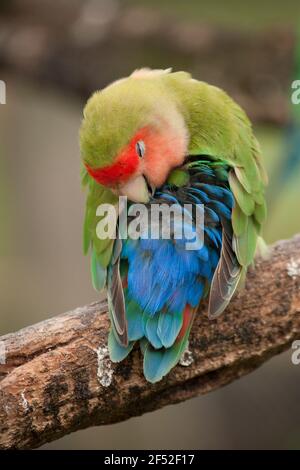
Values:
[(259, 197), (99, 274), (243, 178), (260, 212), (239, 220), (178, 178), (245, 245), (87, 235), (84, 176), (244, 199), (97, 195)]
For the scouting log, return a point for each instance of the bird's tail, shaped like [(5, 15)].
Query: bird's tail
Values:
[(159, 362)]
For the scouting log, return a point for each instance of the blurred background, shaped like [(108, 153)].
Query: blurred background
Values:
[(52, 56)]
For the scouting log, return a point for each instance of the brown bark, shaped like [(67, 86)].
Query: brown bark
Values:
[(57, 377)]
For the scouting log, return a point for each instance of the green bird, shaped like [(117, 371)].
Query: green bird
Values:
[(159, 137)]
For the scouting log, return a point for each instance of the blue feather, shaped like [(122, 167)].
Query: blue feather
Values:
[(222, 210), (151, 327), (219, 193), (212, 215), (214, 236), (134, 316), (152, 363), (201, 194), (158, 363), (117, 352), (168, 197)]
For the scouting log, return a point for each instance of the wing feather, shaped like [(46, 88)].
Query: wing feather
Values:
[(225, 280)]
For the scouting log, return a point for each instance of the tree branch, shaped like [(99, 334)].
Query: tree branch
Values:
[(57, 377)]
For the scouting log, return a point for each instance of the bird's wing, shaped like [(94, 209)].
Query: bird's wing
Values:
[(247, 180), (105, 254)]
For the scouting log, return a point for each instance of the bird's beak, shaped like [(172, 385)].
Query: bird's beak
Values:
[(137, 189)]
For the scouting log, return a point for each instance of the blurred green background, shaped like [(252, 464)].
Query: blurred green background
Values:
[(42, 269)]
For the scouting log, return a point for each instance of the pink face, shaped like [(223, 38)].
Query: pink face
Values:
[(150, 153)]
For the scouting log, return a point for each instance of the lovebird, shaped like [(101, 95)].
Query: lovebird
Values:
[(162, 137)]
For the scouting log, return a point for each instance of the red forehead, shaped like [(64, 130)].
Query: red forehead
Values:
[(124, 166)]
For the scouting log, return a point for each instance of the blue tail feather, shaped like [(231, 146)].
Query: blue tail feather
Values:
[(169, 325), (158, 363), (151, 331), (134, 316), (117, 352)]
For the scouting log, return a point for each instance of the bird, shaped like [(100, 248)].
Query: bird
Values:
[(159, 137)]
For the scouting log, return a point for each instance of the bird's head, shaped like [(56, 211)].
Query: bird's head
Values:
[(132, 135)]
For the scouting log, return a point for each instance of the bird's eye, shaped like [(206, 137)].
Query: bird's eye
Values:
[(140, 148)]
